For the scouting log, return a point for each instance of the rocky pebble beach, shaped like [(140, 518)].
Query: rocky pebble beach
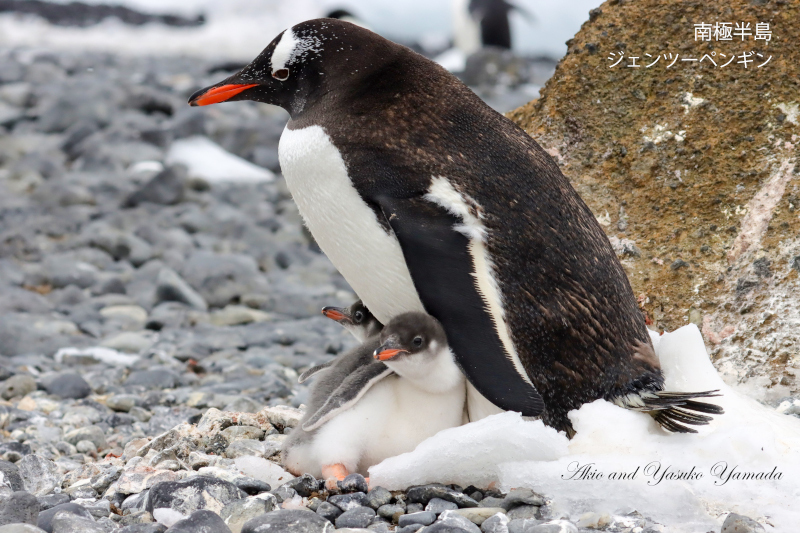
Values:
[(153, 323)]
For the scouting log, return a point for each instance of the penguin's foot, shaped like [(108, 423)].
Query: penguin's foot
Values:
[(333, 474)]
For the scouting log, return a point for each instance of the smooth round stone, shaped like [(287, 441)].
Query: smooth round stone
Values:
[(378, 497), (19, 507), (353, 483), (192, 494), (345, 502), (328, 511), (736, 523), (425, 518), (288, 521), (85, 446), (237, 513), (497, 523), (21, 528), (18, 385), (477, 515), (202, 521), (390, 511), (251, 485), (11, 477), (304, 485), (438, 506), (121, 402), (45, 520), (449, 522), (69, 385), (358, 517)]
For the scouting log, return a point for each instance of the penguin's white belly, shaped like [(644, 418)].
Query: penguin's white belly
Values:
[(344, 226), (392, 418)]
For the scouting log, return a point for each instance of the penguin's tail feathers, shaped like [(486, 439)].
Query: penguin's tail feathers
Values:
[(674, 411)]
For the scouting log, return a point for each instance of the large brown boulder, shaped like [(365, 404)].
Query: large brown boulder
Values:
[(693, 170)]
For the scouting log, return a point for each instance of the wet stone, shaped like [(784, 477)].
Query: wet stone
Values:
[(357, 517)]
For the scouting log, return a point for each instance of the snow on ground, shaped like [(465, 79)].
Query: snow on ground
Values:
[(208, 160), (686, 482)]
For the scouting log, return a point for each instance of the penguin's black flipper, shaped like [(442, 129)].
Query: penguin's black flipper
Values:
[(313, 370), (444, 274), (352, 388)]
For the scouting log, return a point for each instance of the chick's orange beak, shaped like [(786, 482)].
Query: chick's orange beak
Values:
[(334, 313), (218, 94), (385, 355)]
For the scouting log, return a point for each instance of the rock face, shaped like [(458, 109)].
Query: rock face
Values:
[(692, 169)]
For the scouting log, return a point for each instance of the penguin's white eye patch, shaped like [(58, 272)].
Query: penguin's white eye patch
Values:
[(281, 74)]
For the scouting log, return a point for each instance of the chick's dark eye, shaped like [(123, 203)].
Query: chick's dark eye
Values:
[(417, 341), (358, 316), (281, 74)]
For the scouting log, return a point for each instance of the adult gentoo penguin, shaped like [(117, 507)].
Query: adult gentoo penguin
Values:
[(426, 199), (379, 400)]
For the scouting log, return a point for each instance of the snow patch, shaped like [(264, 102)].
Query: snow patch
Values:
[(208, 160), (167, 516), (263, 470), (695, 491), (99, 354), (454, 60)]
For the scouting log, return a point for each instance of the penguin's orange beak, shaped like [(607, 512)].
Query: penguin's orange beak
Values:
[(334, 313), (385, 355), (218, 94)]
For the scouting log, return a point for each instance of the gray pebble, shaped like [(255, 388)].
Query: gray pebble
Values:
[(18, 507), (390, 510), (10, 476), (21, 528), (358, 517), (45, 520), (353, 483), (202, 521), (143, 528), (288, 521), (18, 385), (422, 517), (378, 497), (495, 524), (328, 511), (736, 523), (345, 502), (69, 385), (438, 506)]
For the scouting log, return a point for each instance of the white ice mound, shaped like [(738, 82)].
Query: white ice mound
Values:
[(746, 461), (208, 160), (471, 454)]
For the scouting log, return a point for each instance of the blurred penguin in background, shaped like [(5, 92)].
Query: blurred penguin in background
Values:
[(347, 16), (480, 23)]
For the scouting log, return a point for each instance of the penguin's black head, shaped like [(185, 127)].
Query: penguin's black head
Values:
[(409, 334), (309, 61)]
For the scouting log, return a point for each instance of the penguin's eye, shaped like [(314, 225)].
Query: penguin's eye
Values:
[(358, 316), (281, 74), (417, 341)]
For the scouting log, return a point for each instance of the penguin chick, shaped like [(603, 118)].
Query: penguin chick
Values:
[(379, 400), (356, 319)]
